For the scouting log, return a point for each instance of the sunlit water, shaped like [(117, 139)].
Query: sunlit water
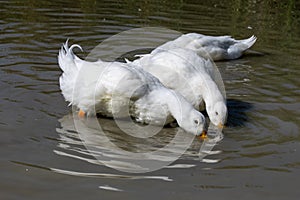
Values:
[(42, 156)]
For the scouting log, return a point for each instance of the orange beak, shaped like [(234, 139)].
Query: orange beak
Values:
[(203, 135)]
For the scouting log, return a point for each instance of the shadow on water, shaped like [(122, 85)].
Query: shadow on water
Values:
[(237, 112), (251, 53), (132, 54)]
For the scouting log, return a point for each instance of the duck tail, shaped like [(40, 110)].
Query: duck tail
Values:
[(236, 50), (66, 57), (67, 62), (249, 42)]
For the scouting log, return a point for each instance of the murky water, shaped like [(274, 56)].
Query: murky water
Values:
[(42, 156)]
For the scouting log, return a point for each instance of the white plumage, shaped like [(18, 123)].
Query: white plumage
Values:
[(114, 89), (214, 47), (190, 75)]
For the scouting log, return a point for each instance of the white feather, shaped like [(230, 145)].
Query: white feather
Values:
[(110, 88), (214, 47), (190, 75)]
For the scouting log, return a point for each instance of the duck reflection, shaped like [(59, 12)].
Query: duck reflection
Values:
[(101, 141)]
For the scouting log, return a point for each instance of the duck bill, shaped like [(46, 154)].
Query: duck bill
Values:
[(203, 135)]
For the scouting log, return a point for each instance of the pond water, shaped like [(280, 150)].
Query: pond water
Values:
[(42, 156)]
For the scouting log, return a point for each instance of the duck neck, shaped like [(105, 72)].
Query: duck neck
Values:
[(210, 91), (176, 103)]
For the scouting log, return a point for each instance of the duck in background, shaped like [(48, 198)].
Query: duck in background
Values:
[(213, 47)]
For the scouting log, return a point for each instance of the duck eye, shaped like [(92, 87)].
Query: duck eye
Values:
[(217, 113), (196, 121)]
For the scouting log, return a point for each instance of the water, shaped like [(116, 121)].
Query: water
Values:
[(41, 157)]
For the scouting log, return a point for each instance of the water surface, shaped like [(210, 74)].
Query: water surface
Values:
[(43, 158)]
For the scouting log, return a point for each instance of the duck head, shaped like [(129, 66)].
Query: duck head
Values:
[(193, 123), (217, 113)]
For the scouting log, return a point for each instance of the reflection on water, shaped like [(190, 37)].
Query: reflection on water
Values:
[(258, 156), (107, 187), (105, 175), (111, 146)]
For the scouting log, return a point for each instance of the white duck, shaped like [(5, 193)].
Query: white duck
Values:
[(190, 75), (109, 87), (214, 47)]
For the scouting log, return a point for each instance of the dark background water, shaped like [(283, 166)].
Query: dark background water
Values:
[(259, 156)]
